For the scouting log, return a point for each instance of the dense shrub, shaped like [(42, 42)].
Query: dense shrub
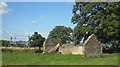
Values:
[(110, 49)]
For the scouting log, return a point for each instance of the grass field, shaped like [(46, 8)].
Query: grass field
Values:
[(57, 59)]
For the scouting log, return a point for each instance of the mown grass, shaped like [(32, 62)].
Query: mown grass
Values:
[(57, 59)]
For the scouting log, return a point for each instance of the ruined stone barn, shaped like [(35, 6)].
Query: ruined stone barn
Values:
[(49, 45), (91, 47)]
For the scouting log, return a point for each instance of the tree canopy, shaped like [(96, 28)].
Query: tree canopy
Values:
[(61, 34), (100, 18), (36, 40)]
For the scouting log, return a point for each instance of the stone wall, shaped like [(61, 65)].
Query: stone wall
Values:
[(48, 44), (71, 49), (92, 47)]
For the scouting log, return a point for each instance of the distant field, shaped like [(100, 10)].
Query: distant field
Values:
[(21, 48), (57, 59)]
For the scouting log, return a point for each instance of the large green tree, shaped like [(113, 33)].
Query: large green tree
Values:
[(61, 34), (100, 18), (36, 40)]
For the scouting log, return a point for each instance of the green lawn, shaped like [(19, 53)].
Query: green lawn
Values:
[(57, 59)]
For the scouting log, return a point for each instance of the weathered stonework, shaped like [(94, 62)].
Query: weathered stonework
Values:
[(71, 49), (92, 47), (48, 44), (54, 49)]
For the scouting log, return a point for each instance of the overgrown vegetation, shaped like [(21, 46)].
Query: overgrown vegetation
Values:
[(57, 59)]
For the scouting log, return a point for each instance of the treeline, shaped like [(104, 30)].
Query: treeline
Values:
[(6, 43)]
